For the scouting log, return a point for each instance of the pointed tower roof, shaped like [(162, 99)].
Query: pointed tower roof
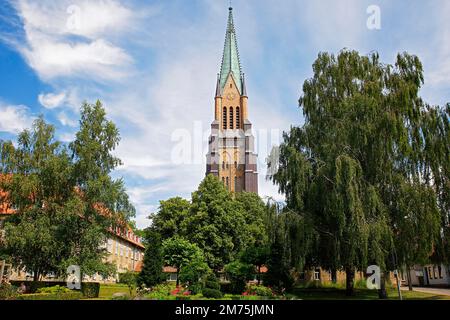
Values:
[(230, 58)]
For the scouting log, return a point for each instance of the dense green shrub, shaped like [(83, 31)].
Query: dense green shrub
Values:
[(74, 295), (226, 287), (260, 291), (239, 274), (7, 291), (90, 289), (54, 290), (160, 292), (212, 285), (152, 270), (212, 293)]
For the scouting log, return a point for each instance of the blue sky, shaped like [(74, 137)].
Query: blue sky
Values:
[(154, 66)]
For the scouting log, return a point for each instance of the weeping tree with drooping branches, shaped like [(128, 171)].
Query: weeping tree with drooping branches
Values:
[(368, 145)]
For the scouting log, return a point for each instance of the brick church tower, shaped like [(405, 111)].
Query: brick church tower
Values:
[(231, 155)]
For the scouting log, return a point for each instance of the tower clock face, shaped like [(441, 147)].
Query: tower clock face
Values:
[(231, 96)]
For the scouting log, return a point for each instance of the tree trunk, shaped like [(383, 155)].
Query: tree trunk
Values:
[(382, 294), (408, 276), (36, 275), (349, 281)]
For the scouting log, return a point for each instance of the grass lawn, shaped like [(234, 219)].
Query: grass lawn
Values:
[(360, 294), (107, 290)]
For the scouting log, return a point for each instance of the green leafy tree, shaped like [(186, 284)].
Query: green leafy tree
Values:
[(179, 253), (256, 256), (170, 216), (38, 183), (239, 273), (152, 270), (130, 279), (194, 272), (253, 209), (365, 130), (65, 200), (278, 271), (105, 201), (216, 223)]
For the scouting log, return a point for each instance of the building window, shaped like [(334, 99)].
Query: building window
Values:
[(238, 118), (317, 274), (235, 165), (228, 182), (223, 165), (224, 118), (172, 277), (231, 118)]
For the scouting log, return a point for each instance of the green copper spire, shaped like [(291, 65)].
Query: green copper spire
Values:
[(230, 59)]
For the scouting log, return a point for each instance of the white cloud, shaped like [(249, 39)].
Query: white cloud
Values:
[(51, 100), (51, 49), (65, 120), (14, 118)]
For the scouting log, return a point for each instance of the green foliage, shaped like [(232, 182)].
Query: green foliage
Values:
[(220, 224), (170, 216), (65, 199), (179, 253), (130, 279), (367, 146), (90, 289), (260, 291), (212, 288), (161, 292), (54, 290), (7, 291), (278, 274), (152, 270), (212, 293), (49, 296), (238, 274), (192, 274)]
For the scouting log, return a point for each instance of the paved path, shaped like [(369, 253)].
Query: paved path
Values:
[(441, 291)]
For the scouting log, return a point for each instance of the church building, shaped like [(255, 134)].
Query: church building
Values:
[(231, 156)]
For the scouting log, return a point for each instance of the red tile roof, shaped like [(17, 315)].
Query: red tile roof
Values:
[(169, 269)]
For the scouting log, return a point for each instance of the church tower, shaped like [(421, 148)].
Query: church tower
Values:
[(231, 155)]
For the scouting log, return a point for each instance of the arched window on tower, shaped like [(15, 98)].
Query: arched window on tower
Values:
[(238, 118), (224, 118), (231, 118), (223, 165), (228, 182)]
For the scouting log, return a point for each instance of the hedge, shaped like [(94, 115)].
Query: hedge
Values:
[(49, 296), (88, 289)]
